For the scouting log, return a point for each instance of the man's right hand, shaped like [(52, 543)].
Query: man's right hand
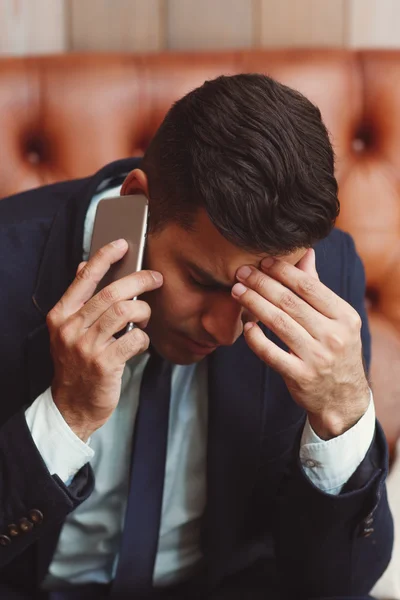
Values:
[(88, 359)]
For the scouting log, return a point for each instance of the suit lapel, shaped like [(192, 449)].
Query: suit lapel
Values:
[(236, 407), (39, 364)]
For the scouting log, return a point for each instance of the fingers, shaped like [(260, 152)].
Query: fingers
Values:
[(284, 363), (284, 299), (126, 288), (287, 329), (131, 344), (80, 266), (306, 286), (78, 300), (114, 319), (88, 277), (307, 263)]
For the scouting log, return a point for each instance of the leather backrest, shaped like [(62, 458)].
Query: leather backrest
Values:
[(65, 116)]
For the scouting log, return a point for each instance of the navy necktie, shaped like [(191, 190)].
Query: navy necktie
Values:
[(143, 515)]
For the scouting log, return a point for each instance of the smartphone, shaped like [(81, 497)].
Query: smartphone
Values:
[(121, 217)]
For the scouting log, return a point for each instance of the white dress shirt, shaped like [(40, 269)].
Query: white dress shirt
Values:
[(87, 550)]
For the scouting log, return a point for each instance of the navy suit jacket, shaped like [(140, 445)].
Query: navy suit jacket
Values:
[(261, 509)]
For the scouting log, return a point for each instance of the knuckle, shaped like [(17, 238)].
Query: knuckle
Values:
[(143, 280), (260, 282), (64, 334), (80, 350), (265, 354), (142, 309), (109, 294), (104, 324), (141, 338), (124, 347), (85, 273), (288, 301), (307, 286), (133, 343), (354, 321), (335, 342), (52, 318), (120, 310), (281, 270), (279, 322), (102, 253), (98, 366)]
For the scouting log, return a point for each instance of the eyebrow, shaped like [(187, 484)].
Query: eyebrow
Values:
[(208, 278)]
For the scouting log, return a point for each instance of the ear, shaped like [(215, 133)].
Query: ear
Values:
[(135, 183), (307, 263)]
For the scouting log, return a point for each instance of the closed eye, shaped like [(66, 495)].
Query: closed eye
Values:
[(206, 281), (206, 286)]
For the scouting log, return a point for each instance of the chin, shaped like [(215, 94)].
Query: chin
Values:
[(176, 355)]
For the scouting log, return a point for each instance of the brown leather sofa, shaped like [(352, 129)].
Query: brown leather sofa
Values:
[(65, 116)]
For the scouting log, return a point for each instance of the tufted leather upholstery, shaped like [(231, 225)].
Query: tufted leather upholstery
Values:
[(65, 116)]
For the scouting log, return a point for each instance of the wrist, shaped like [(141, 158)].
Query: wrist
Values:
[(331, 423), (82, 424), (81, 427)]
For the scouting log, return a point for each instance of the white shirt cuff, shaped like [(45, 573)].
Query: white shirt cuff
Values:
[(330, 464), (62, 451)]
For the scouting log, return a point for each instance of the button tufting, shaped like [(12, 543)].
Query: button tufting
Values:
[(33, 157)]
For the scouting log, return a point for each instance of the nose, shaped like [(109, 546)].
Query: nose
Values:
[(222, 320)]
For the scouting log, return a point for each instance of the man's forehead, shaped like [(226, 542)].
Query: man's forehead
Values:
[(207, 249)]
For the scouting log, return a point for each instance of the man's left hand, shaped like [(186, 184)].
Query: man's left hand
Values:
[(323, 369)]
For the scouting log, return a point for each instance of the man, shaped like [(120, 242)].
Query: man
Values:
[(256, 470)]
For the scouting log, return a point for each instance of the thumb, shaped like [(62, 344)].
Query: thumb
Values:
[(307, 263)]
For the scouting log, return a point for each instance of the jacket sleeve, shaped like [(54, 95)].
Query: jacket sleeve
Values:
[(336, 545), (32, 502)]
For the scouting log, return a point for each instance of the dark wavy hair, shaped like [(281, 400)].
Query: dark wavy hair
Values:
[(255, 155)]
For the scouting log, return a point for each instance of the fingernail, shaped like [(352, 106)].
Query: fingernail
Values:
[(248, 326), (121, 243), (239, 289), (243, 272), (158, 278), (267, 262)]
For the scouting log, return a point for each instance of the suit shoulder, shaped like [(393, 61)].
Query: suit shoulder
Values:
[(337, 248), (40, 203), (337, 240), (337, 261), (43, 202)]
